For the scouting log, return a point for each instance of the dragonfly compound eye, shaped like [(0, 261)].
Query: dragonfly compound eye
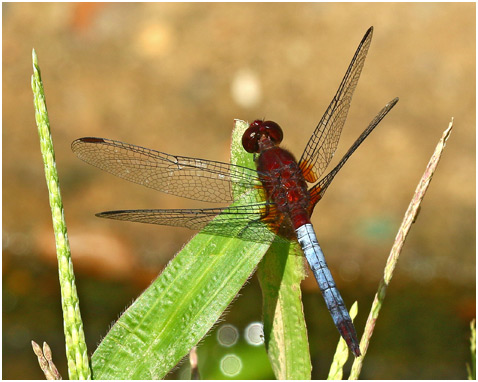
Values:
[(258, 129), (273, 130)]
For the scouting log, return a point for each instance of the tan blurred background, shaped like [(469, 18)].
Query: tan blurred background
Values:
[(172, 77)]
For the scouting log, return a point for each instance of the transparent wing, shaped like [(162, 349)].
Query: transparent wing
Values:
[(323, 143), (236, 221), (319, 189), (192, 178)]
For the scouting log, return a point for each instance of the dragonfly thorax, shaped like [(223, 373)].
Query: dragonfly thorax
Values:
[(284, 184)]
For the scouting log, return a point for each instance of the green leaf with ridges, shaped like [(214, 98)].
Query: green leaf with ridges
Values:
[(181, 305), (280, 274)]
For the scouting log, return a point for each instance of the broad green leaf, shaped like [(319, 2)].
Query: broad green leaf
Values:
[(181, 305)]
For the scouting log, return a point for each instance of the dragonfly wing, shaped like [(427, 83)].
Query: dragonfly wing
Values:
[(192, 178), (323, 143), (235, 221), (319, 189)]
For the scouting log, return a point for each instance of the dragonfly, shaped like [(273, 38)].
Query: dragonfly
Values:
[(275, 201)]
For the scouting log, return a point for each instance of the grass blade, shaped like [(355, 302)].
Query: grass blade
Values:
[(280, 274), (409, 218), (471, 369), (76, 352)]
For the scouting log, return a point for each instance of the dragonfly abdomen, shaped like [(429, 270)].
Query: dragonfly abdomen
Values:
[(334, 301)]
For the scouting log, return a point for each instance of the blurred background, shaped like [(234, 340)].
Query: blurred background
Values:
[(173, 77)]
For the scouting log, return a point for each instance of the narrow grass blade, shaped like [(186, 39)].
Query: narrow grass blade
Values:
[(342, 352), (76, 352), (280, 274), (471, 368), (181, 305), (409, 218)]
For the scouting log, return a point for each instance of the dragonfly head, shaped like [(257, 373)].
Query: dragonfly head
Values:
[(259, 132)]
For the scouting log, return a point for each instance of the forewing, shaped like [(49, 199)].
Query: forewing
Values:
[(323, 143), (192, 178)]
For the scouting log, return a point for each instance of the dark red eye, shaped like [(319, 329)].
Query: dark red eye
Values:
[(250, 138), (258, 129)]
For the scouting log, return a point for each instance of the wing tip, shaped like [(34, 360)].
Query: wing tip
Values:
[(79, 141), (91, 140), (368, 33)]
